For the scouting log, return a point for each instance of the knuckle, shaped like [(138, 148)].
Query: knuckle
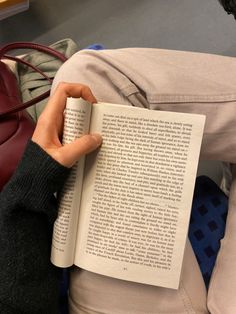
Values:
[(86, 87), (88, 141), (68, 87), (62, 85), (42, 120)]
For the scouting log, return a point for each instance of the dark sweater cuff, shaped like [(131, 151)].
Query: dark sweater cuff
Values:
[(40, 168), (37, 178)]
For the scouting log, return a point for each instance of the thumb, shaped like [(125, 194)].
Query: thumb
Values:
[(70, 153)]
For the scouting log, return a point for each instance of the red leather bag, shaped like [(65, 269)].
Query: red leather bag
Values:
[(16, 125)]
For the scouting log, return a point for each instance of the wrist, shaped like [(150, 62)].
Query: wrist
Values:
[(36, 179)]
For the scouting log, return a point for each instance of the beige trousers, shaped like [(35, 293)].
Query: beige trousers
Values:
[(172, 81)]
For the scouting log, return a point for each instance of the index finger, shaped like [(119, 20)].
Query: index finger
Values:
[(57, 101)]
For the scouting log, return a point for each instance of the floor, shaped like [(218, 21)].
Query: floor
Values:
[(172, 24)]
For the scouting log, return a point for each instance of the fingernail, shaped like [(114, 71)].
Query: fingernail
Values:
[(98, 138)]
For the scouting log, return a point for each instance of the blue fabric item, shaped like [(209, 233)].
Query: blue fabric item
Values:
[(95, 47), (207, 223)]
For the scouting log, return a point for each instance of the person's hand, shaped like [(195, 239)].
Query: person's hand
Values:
[(50, 125)]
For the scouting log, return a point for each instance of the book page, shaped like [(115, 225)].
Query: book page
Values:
[(137, 194), (76, 123)]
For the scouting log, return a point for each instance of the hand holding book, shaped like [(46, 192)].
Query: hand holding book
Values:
[(47, 134)]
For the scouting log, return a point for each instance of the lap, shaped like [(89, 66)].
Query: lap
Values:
[(93, 293), (175, 81)]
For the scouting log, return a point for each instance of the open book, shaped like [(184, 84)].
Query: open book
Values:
[(124, 211)]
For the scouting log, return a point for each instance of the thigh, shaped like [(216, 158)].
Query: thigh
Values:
[(121, 76), (163, 80), (92, 293), (114, 76)]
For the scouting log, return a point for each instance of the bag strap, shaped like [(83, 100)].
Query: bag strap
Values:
[(34, 46), (16, 59)]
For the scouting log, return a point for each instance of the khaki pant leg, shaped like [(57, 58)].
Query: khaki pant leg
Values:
[(221, 295), (165, 80), (91, 293)]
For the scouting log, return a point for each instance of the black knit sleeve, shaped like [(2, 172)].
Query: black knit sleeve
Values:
[(229, 6), (29, 283)]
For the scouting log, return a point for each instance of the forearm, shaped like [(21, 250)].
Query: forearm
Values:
[(28, 208)]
